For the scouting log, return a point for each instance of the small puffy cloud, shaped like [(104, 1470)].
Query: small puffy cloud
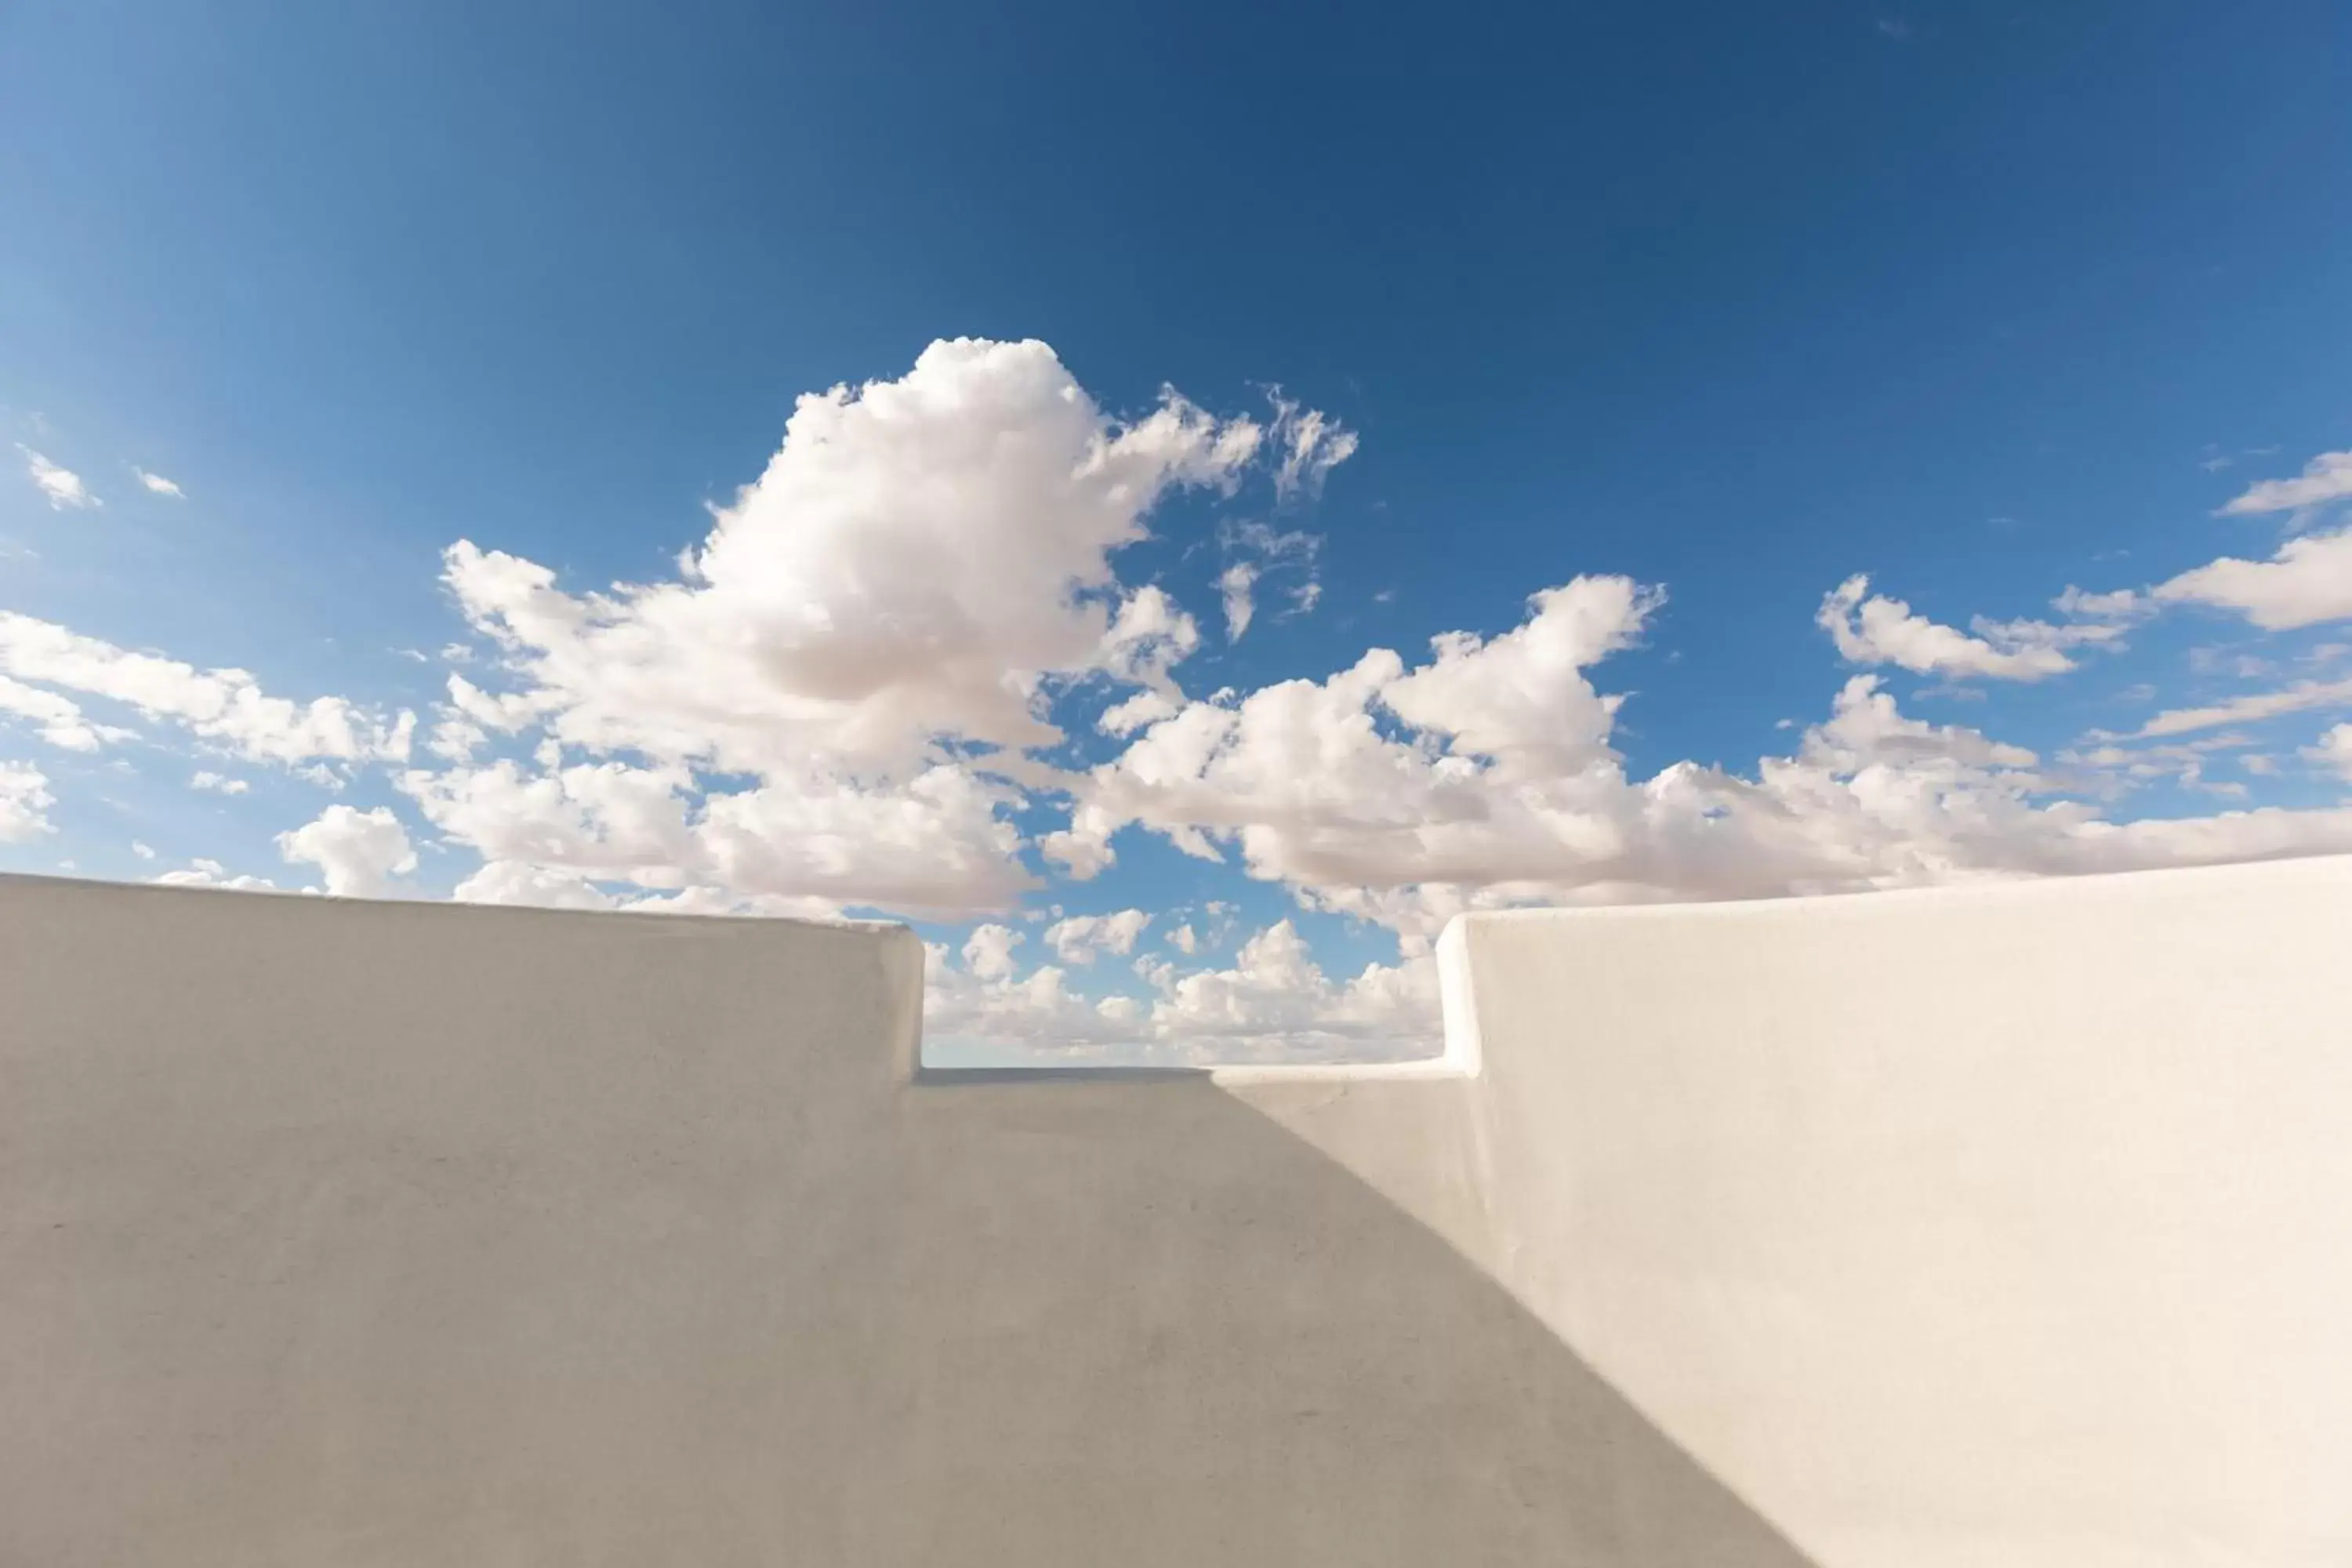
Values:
[(141, 850), (1184, 940), (62, 485), (1145, 707), (25, 802), (224, 705), (2334, 752), (987, 951), (1870, 629), (2326, 478), (157, 484), (218, 783), (1080, 937), (1150, 636), (358, 852), (2121, 604), (213, 874), (2308, 581)]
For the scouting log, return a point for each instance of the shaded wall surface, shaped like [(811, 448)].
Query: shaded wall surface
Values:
[(2000, 1226)]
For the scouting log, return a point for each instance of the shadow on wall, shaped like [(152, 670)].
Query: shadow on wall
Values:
[(385, 1235), (1219, 1392)]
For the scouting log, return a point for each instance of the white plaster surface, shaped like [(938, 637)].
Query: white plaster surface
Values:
[(2007, 1226), (2003, 1227)]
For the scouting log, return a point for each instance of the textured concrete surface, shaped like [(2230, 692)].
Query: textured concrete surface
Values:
[(1998, 1227)]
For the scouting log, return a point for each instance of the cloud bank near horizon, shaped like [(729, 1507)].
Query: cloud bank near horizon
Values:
[(857, 692)]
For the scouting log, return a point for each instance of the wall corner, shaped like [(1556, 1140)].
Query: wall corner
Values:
[(1457, 999)]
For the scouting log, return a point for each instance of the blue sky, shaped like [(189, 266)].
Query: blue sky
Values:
[(1713, 307)]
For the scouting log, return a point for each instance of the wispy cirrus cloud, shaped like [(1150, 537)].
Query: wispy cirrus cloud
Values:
[(61, 485)]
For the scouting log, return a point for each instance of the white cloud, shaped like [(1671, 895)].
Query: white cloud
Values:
[(2227, 662), (25, 802), (1148, 637), (2334, 752), (1275, 998), (224, 705), (873, 632), (1879, 630), (1233, 586), (158, 484), (1310, 444), (213, 874), (2112, 770), (141, 850), (2309, 580), (983, 1000), (1301, 774), (358, 852), (60, 718), (2250, 709), (2120, 603), (988, 952), (1254, 550), (1486, 777), (846, 695), (1080, 937), (63, 487), (542, 887), (936, 843), (918, 557), (1143, 708), (549, 888), (2326, 478)]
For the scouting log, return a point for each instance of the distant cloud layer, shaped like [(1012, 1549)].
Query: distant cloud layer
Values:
[(851, 692)]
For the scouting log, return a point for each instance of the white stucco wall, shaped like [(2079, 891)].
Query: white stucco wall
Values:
[(2007, 1225), (1999, 1226)]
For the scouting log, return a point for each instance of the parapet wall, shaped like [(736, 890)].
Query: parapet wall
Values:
[(2005, 1224), (1983, 1225)]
